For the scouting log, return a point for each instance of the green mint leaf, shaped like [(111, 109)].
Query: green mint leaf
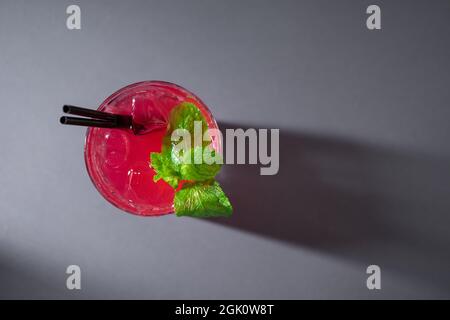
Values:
[(202, 200), (184, 116), (191, 168), (162, 164)]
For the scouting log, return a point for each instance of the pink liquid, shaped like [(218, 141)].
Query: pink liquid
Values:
[(118, 161)]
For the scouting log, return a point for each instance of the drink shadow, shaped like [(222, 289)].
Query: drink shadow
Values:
[(360, 202)]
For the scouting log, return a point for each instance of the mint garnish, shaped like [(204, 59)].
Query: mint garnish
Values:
[(162, 164), (200, 195), (202, 200), (198, 172)]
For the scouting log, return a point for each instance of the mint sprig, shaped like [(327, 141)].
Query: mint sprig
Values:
[(200, 195)]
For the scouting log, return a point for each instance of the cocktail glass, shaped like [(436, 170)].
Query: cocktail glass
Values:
[(118, 161)]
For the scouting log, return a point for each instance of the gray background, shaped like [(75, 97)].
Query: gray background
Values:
[(364, 175)]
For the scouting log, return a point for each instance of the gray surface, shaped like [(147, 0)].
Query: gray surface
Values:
[(364, 174)]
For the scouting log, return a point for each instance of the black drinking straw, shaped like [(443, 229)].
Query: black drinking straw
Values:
[(78, 111), (95, 118), (88, 122)]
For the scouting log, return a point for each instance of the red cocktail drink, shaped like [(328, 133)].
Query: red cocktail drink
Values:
[(118, 161)]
